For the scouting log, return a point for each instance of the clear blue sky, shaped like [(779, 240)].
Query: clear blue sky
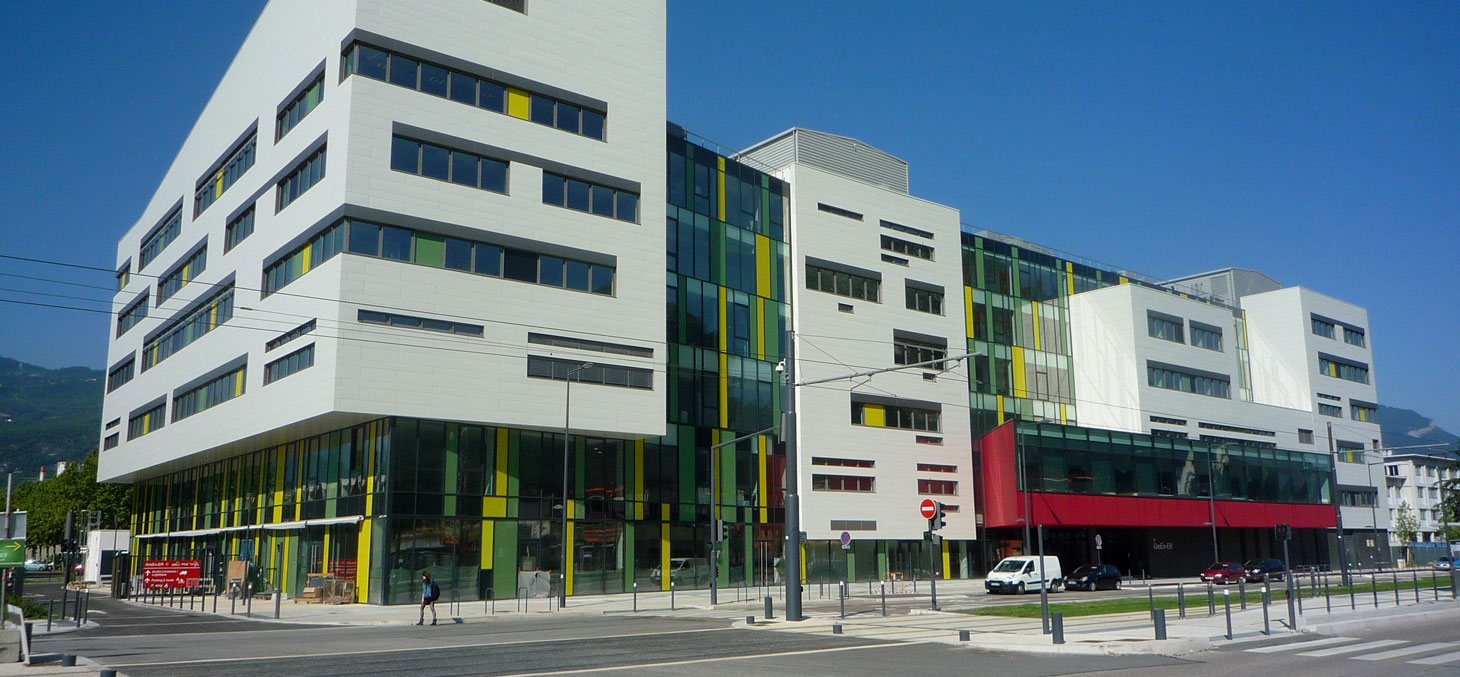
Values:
[(1317, 142)]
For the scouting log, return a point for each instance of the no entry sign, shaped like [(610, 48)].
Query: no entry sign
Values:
[(171, 573), (928, 508)]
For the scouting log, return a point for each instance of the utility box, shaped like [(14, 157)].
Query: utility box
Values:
[(102, 546)]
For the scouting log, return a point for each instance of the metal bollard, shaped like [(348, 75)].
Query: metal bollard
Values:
[(963, 635), (883, 586), (1297, 591), (233, 605), (1352, 604), (1181, 600), (1158, 618), (1416, 585), (671, 595), (1327, 596), (1057, 623), (842, 593), (278, 599), (1266, 600), (1374, 587), (51, 611), (1292, 615), (1396, 587), (636, 597), (68, 660), (1211, 600), (768, 611), (1242, 591), (836, 628), (1227, 602), (1435, 583)]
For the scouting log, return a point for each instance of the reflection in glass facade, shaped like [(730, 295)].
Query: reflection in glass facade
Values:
[(1072, 460)]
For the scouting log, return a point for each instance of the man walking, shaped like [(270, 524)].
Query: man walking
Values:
[(429, 593)]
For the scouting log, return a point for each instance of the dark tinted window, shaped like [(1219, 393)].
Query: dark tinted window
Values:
[(542, 110), (602, 201), (396, 244), (520, 266), (550, 271), (577, 195), (433, 79), (489, 260), (567, 117), (434, 161), (493, 96), (552, 189), (405, 155), (464, 169), (403, 71), (463, 88), (458, 254), (494, 175), (371, 63), (365, 238), (592, 124)]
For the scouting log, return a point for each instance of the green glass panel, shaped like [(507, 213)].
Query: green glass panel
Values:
[(431, 250)]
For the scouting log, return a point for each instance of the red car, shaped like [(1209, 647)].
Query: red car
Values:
[(1223, 572)]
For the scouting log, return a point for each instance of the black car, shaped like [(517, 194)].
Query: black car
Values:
[(1094, 577), (1259, 570)]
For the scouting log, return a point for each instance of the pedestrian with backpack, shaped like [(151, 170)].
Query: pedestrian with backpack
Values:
[(430, 592)]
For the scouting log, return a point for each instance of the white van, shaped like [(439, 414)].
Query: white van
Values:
[(1017, 574)]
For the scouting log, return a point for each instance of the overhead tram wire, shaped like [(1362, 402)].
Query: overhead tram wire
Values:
[(335, 300)]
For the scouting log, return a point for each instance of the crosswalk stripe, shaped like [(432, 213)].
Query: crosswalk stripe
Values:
[(1300, 645), (1406, 651), (1352, 648), (1438, 660)]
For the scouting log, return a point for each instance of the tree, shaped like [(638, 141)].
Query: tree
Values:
[(46, 503), (1406, 527)]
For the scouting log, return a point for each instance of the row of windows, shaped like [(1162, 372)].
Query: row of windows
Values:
[(121, 374), (189, 328), (590, 197), (602, 374), (209, 395), (286, 337), (904, 247), (1323, 328), (147, 421), (909, 351), (1164, 329), (1168, 419), (1330, 410), (1353, 337), (1236, 429), (412, 322), (1305, 436), (184, 273), (111, 441), (133, 315), (299, 107), (290, 364), (843, 284), (1188, 383), (459, 167), (210, 188), (822, 206), (1348, 372), (301, 179), (895, 416), (1206, 338), (1326, 396), (426, 77), (933, 467), (938, 487), (239, 228), (586, 344), (1220, 439), (924, 300), (1359, 412), (843, 483), (159, 239), (843, 462), (906, 229)]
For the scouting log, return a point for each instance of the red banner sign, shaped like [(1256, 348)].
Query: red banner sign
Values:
[(171, 573)]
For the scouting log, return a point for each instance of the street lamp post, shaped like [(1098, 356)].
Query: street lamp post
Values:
[(1212, 498), (567, 413)]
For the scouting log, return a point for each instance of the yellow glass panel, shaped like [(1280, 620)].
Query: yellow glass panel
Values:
[(720, 177), (362, 562), (874, 415), (1018, 367), (518, 103)]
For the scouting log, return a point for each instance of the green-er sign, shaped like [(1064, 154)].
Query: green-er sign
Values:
[(12, 552)]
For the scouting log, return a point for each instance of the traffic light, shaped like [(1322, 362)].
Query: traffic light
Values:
[(1283, 532), (722, 530), (939, 519)]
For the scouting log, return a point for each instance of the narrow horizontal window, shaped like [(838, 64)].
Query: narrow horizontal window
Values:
[(1330, 410), (822, 206), (933, 467), (588, 197), (906, 229), (896, 416), (238, 229), (900, 246), (1359, 412), (447, 164), (938, 487), (135, 312), (1197, 384), (290, 364), (183, 331), (286, 337), (1334, 367), (300, 106), (1202, 337), (1166, 329), (301, 178), (208, 395), (159, 238), (121, 374), (924, 300), (853, 483), (843, 462), (841, 283), (229, 171), (910, 351), (601, 374), (586, 344), (148, 421), (185, 272), (412, 322), (1236, 429)]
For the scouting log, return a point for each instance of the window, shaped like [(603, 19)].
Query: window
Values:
[(1203, 336), (1165, 328), (1168, 420), (1353, 337), (239, 228), (1305, 436), (300, 106), (320, 248), (208, 395), (148, 421), (1335, 367), (822, 206), (290, 364), (1197, 384), (843, 284), (1330, 410), (896, 416), (938, 487), (519, 6), (159, 238), (1359, 412), (465, 88), (119, 375), (842, 483), (911, 351), (1349, 452), (590, 197), (898, 246), (601, 374), (111, 441), (444, 326), (301, 179), (932, 467), (906, 229), (444, 164), (1359, 499), (928, 439), (924, 300), (229, 171), (842, 462), (188, 328), (290, 335), (585, 344), (1334, 398), (1323, 328), (184, 273), (134, 314), (123, 276), (1236, 429), (896, 260), (1391, 471), (1173, 434)]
